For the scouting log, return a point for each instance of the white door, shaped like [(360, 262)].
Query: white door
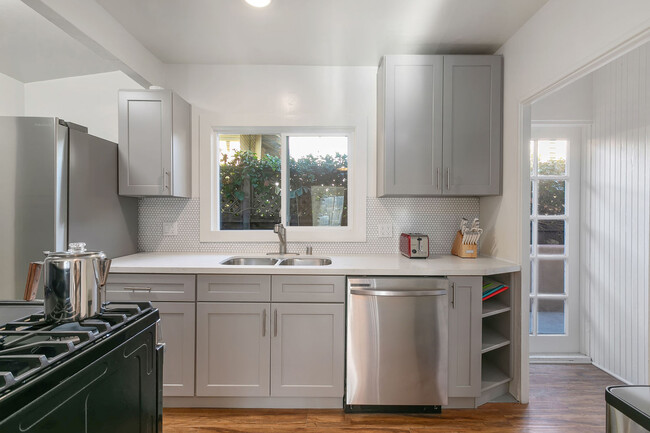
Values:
[(554, 239)]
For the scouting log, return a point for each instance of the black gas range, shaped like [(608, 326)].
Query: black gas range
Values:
[(102, 374)]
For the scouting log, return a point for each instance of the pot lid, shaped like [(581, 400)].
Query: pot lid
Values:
[(75, 249)]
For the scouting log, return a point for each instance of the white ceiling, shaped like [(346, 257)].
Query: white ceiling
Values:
[(34, 49), (317, 32)]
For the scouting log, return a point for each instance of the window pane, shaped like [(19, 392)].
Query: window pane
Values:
[(532, 157), (550, 237), (318, 181), (550, 276), (550, 316), (550, 197), (551, 157), (530, 317), (249, 181)]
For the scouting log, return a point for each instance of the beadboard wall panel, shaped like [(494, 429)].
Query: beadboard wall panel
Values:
[(616, 219)]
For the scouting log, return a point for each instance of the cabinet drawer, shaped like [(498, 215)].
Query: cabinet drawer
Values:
[(150, 287), (308, 288), (224, 288)]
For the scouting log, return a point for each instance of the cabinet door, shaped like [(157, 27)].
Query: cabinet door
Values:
[(177, 332), (465, 337), (145, 142), (472, 125), (410, 125), (233, 349), (307, 350)]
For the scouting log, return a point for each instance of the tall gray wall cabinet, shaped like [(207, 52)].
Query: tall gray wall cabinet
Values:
[(154, 144), (439, 125)]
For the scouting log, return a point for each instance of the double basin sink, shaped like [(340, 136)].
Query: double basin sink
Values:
[(273, 261)]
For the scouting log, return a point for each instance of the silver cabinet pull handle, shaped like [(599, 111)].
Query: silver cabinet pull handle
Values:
[(264, 323), (138, 289), (448, 170), (438, 178), (275, 319), (453, 295)]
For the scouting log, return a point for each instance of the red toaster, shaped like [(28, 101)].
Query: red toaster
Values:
[(414, 245)]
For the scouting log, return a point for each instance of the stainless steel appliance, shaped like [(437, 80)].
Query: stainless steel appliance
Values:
[(100, 375), (396, 353), (74, 280), (414, 245), (628, 409), (58, 184)]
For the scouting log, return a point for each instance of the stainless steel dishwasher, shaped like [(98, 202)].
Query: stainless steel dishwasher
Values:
[(396, 352)]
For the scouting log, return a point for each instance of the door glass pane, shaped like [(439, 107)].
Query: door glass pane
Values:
[(550, 277), (318, 181), (551, 157), (551, 197), (530, 317), (550, 316), (550, 236)]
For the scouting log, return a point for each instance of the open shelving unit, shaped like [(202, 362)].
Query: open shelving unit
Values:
[(496, 347)]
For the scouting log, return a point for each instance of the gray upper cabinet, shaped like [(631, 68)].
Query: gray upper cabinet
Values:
[(409, 134), (465, 337), (154, 144), (439, 125), (471, 132)]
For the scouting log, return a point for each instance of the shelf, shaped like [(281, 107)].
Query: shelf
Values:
[(492, 340), (491, 376), (492, 307)]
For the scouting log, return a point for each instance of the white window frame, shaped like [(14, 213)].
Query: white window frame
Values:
[(355, 231)]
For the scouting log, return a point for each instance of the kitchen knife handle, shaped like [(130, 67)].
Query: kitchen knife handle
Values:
[(264, 323), (33, 277), (275, 319)]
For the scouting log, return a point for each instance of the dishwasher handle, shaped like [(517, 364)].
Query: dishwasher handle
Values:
[(406, 293)]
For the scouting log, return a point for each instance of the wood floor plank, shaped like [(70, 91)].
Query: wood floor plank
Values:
[(563, 398)]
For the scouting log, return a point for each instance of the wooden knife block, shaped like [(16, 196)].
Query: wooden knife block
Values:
[(466, 251)]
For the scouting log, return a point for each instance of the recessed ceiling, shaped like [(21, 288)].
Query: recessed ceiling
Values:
[(317, 32), (34, 49)]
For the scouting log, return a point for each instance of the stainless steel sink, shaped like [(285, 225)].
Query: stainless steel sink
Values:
[(306, 261), (250, 261)]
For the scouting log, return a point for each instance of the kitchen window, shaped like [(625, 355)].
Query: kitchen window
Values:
[(303, 178)]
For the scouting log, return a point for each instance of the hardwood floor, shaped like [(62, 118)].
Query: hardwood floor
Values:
[(563, 398)]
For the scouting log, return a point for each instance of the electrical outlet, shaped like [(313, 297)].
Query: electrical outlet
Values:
[(170, 229), (385, 230)]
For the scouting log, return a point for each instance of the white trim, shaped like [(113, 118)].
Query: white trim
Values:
[(615, 376), (355, 231), (578, 358)]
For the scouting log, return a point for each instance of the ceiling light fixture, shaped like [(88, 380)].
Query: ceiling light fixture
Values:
[(259, 3)]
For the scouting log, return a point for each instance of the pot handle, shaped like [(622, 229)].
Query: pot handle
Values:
[(33, 277)]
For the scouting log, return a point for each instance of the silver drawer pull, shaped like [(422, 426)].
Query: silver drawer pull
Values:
[(138, 289)]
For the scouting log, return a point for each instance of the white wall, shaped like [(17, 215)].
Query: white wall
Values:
[(616, 219), (12, 96), (89, 100), (562, 37), (572, 103), (272, 95)]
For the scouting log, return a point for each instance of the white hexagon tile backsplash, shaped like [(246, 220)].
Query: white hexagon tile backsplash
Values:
[(438, 217)]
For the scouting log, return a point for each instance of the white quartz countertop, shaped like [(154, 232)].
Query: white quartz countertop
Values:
[(367, 264)]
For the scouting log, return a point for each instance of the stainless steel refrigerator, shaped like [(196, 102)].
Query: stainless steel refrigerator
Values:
[(58, 184)]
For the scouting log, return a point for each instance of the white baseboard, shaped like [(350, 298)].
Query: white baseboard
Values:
[(548, 358)]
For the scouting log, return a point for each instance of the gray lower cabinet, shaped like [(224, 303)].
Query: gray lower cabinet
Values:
[(177, 332), (233, 349), (154, 144), (307, 350), (465, 336)]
